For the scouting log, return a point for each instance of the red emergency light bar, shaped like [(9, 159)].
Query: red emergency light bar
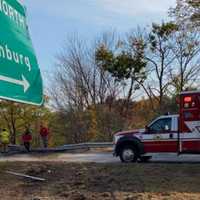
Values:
[(187, 99)]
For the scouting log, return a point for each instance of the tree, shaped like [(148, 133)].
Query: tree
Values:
[(123, 65), (158, 58), (9, 113), (172, 56), (81, 87), (79, 81), (185, 45), (17, 117), (95, 86), (186, 13)]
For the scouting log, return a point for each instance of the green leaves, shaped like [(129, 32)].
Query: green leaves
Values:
[(161, 32), (165, 29), (103, 56), (124, 64)]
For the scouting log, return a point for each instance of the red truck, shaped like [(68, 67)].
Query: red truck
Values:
[(168, 133)]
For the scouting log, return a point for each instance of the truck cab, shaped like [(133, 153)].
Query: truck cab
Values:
[(178, 133)]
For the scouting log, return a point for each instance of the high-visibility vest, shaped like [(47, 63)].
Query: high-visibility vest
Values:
[(4, 136)]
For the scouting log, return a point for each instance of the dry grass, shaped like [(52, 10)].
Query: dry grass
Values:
[(101, 181)]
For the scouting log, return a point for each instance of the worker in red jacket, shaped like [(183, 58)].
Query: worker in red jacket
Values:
[(44, 133), (27, 138)]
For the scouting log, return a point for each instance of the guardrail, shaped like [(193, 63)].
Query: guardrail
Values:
[(81, 146), (86, 145), (90, 145)]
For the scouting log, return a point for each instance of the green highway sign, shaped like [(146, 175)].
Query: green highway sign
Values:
[(20, 77)]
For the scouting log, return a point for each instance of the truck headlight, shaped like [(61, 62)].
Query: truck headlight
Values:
[(116, 138)]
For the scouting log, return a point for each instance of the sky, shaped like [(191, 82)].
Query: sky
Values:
[(52, 21)]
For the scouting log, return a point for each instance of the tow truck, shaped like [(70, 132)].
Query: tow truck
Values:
[(178, 133)]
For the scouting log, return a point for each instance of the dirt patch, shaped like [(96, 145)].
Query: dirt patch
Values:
[(101, 181)]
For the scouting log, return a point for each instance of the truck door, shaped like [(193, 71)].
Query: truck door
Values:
[(160, 136)]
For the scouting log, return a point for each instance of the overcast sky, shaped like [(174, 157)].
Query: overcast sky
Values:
[(51, 21)]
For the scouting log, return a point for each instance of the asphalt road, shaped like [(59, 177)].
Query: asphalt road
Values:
[(97, 157), (108, 158)]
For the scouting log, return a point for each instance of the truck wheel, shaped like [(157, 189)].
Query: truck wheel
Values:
[(128, 154)]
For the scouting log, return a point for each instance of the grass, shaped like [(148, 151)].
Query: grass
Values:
[(102, 181)]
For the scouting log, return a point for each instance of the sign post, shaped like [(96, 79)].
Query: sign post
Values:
[(20, 77)]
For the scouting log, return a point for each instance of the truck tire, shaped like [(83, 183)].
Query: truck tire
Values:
[(128, 154)]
